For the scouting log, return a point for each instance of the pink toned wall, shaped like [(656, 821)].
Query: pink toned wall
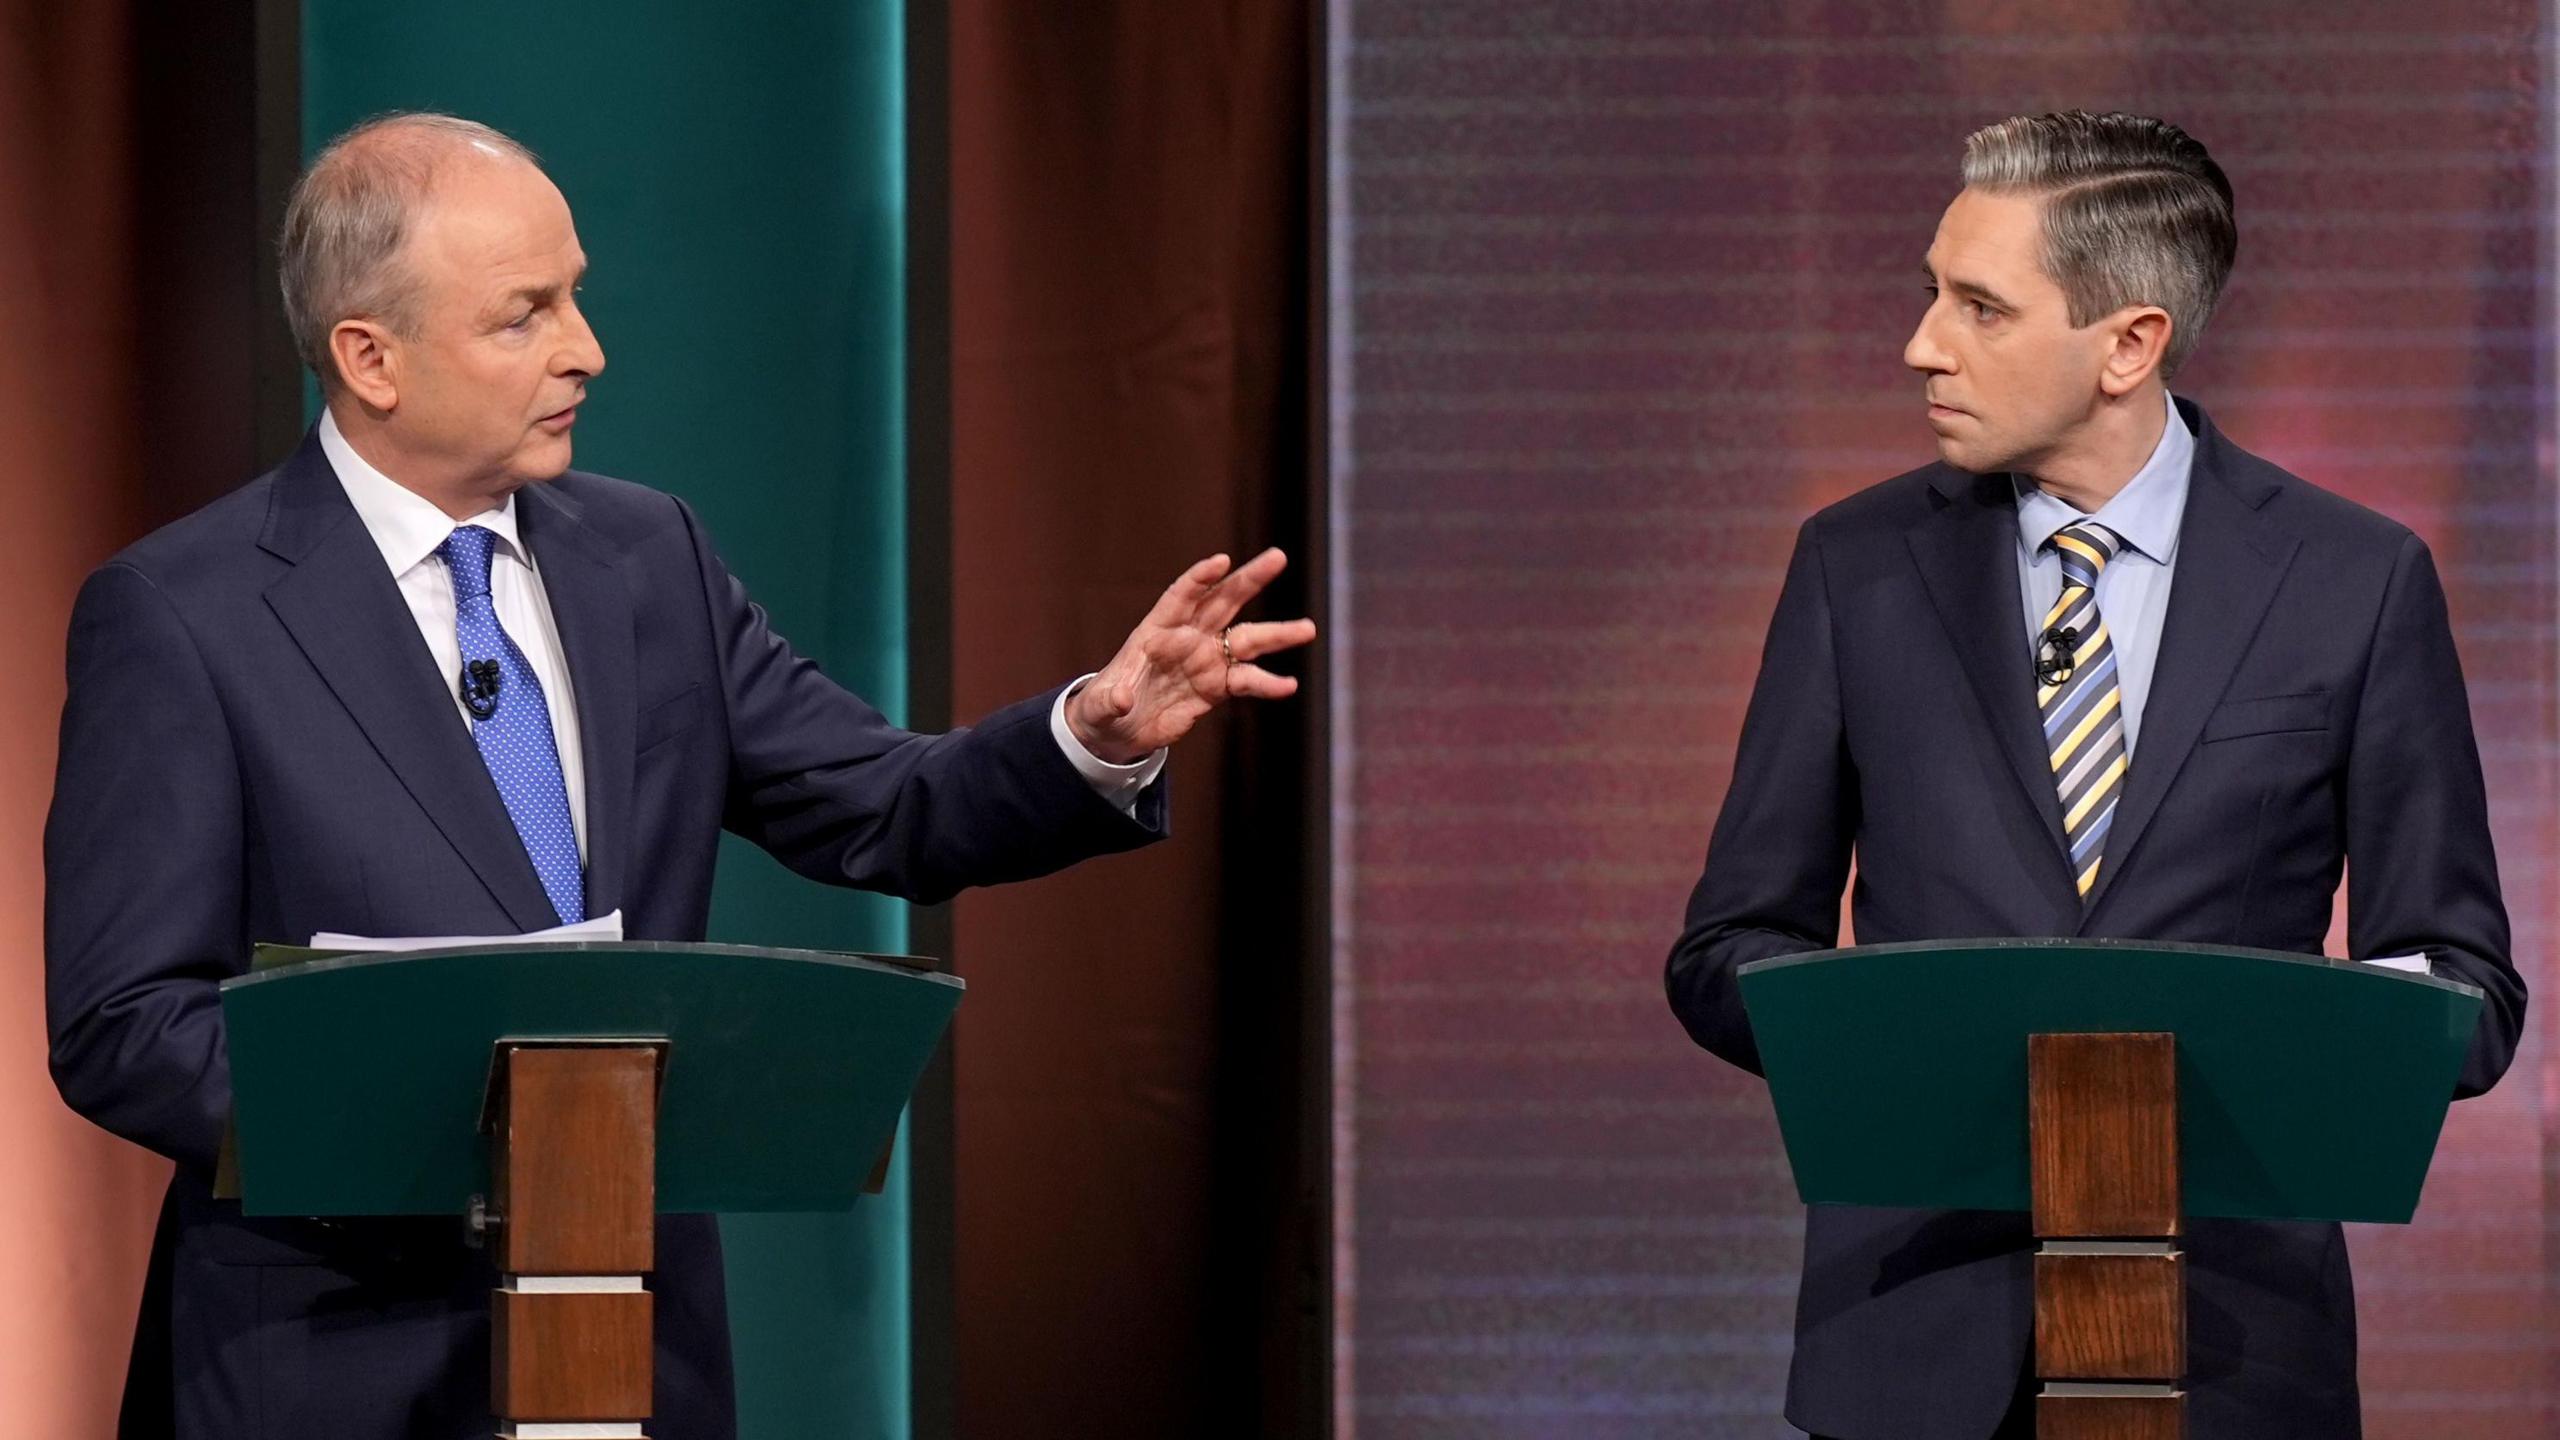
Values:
[(1626, 288), (75, 1205)]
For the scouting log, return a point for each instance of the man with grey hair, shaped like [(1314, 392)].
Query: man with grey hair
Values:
[(424, 679), (2097, 673)]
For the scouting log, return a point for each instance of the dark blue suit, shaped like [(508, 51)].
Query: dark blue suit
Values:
[(257, 746), (2307, 708)]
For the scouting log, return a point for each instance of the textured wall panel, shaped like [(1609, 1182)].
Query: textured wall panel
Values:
[(1620, 290)]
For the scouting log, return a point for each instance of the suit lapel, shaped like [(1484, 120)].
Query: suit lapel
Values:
[(592, 607), (344, 610), (1968, 559), (2230, 563)]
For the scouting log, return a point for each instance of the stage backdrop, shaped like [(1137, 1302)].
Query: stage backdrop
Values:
[(1619, 292)]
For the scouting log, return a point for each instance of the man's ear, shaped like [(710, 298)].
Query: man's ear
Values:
[(368, 359), (2141, 343)]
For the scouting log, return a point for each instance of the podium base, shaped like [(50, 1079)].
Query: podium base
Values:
[(2066, 1411)]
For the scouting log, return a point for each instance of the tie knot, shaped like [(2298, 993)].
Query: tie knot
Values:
[(2085, 549), (466, 554)]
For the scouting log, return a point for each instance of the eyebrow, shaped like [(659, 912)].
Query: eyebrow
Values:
[(1968, 289), (541, 294)]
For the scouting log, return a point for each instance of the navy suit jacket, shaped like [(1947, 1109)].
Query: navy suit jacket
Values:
[(257, 746), (2307, 709)]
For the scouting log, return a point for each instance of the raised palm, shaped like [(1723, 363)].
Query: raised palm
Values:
[(1185, 659)]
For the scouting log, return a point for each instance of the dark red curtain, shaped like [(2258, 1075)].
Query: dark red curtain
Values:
[(1135, 1227), (76, 1214)]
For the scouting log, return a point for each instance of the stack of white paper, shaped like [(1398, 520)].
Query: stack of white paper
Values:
[(605, 929)]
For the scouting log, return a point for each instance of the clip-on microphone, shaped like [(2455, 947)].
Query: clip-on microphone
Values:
[(2061, 644), (480, 681)]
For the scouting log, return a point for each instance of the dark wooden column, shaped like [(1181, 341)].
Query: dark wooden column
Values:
[(2111, 1329), (574, 1142)]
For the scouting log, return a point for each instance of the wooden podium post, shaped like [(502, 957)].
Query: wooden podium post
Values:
[(574, 1155), (2110, 1290)]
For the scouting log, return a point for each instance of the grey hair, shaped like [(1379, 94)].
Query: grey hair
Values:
[(2135, 213), (338, 256)]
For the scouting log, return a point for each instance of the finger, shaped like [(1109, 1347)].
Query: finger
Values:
[(1255, 639), (1252, 682), (1182, 599), (1237, 590)]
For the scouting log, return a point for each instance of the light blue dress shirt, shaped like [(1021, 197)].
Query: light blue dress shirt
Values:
[(2133, 591)]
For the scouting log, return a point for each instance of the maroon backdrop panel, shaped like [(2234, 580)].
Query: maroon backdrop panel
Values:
[(1619, 293)]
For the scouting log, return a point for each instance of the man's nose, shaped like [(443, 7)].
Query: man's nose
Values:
[(583, 354), (1922, 352)]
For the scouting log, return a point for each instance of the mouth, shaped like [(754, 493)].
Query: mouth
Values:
[(560, 420)]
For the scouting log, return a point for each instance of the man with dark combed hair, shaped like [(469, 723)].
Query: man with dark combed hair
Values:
[(2100, 672)]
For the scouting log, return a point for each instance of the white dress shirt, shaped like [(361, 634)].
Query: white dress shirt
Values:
[(408, 529)]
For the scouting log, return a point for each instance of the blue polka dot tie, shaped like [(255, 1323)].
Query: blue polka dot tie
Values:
[(512, 726)]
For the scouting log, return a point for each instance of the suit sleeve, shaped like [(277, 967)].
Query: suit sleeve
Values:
[(143, 877), (2421, 872), (828, 786), (1780, 851)]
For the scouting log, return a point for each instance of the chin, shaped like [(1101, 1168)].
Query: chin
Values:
[(544, 461), (1955, 453), (1971, 459)]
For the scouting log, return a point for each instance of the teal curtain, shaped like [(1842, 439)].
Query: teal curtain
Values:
[(737, 177)]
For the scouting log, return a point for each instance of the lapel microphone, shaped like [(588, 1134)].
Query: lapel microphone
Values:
[(480, 681), (2055, 664)]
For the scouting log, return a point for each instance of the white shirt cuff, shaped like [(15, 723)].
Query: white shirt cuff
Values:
[(1119, 784)]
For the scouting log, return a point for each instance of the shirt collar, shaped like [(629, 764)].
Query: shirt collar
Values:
[(405, 525), (2145, 512)]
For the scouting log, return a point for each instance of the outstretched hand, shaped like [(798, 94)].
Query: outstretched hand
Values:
[(1186, 659)]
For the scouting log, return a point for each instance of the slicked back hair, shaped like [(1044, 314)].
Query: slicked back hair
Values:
[(2135, 213)]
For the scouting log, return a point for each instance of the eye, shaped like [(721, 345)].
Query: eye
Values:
[(521, 322), (1982, 314)]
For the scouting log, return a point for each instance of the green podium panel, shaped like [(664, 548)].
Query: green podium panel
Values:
[(358, 1080), (2308, 1088)]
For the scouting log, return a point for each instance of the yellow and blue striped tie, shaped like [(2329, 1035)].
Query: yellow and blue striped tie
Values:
[(2083, 710)]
